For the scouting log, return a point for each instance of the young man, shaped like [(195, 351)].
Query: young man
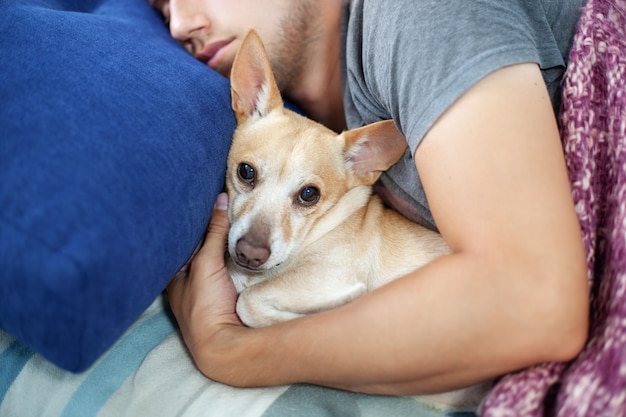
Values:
[(473, 88)]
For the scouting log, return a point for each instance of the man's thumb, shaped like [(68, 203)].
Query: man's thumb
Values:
[(221, 203)]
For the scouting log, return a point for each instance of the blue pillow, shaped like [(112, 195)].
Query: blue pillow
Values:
[(113, 143)]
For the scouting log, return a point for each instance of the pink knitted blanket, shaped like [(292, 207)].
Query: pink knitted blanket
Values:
[(593, 128)]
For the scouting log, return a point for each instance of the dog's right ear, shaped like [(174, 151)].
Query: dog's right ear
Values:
[(372, 149), (254, 92)]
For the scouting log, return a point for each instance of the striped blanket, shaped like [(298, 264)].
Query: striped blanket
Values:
[(148, 372)]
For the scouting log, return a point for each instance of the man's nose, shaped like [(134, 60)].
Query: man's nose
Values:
[(184, 23)]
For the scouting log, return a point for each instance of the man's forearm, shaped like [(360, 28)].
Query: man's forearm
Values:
[(448, 325)]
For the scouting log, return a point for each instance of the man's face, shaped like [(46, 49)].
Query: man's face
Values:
[(212, 30)]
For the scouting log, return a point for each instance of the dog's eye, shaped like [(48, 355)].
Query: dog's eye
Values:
[(246, 173), (309, 196)]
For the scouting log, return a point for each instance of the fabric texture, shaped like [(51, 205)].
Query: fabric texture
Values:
[(396, 65), (113, 143), (593, 128), (149, 372)]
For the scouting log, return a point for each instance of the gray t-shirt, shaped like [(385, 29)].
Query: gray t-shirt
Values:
[(409, 60)]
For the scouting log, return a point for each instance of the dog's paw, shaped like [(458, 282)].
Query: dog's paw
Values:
[(255, 312), (265, 304)]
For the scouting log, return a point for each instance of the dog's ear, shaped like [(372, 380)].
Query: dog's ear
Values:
[(372, 149), (253, 88)]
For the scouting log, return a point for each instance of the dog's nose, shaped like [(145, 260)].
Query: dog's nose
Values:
[(251, 253)]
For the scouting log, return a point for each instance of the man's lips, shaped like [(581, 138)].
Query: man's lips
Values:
[(212, 53)]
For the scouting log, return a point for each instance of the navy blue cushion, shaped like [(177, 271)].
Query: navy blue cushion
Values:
[(113, 143)]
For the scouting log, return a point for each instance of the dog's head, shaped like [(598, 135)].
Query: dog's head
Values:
[(286, 173)]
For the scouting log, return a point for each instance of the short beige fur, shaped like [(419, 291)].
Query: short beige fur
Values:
[(307, 234)]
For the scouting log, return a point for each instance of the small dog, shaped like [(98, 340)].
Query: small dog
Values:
[(307, 234)]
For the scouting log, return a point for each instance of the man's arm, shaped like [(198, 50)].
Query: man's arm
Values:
[(512, 294)]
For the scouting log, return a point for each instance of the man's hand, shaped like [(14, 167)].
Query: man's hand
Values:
[(202, 295)]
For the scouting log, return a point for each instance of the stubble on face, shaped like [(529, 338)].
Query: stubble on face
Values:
[(290, 51)]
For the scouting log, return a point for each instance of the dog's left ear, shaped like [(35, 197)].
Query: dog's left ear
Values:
[(372, 149), (253, 88)]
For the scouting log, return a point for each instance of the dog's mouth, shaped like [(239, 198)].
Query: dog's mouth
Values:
[(258, 269), (248, 267)]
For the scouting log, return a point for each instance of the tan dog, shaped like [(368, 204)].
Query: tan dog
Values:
[(307, 234)]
